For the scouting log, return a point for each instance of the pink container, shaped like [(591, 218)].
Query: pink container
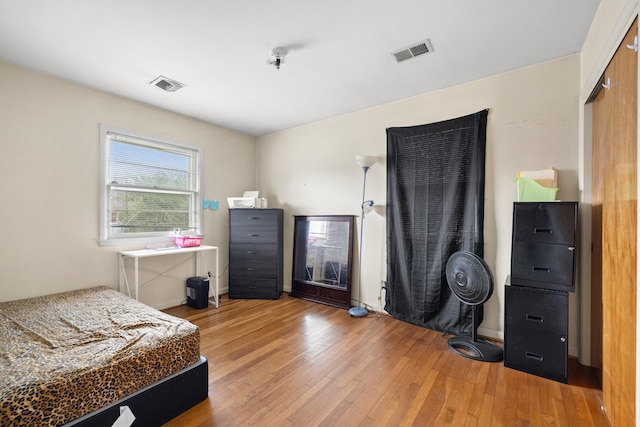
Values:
[(186, 241)]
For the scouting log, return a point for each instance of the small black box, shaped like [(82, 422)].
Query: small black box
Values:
[(197, 292)]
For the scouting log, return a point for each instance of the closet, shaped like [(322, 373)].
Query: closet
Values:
[(614, 233)]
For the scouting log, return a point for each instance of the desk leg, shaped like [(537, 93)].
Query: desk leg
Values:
[(121, 273), (135, 276), (198, 258), (217, 294), (123, 281)]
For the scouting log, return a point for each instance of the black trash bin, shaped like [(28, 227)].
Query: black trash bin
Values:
[(198, 292)]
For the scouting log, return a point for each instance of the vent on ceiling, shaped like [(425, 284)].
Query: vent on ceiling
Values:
[(167, 84), (416, 49)]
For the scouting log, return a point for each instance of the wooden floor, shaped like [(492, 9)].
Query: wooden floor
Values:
[(292, 362)]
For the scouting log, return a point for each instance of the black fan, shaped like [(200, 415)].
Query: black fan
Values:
[(470, 279)]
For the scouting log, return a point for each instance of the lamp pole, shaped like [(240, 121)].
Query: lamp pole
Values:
[(366, 162)]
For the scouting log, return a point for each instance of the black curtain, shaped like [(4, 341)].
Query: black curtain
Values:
[(435, 207)]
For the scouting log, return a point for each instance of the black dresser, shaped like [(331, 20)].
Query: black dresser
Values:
[(255, 253), (543, 269)]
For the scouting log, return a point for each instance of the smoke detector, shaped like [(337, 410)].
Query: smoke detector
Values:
[(277, 57), (410, 52), (167, 84)]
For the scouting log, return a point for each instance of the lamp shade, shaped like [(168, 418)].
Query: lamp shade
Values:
[(366, 161)]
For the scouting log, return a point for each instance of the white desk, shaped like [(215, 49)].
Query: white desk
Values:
[(136, 255)]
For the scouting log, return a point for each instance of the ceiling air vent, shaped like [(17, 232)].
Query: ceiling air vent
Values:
[(417, 49), (167, 84)]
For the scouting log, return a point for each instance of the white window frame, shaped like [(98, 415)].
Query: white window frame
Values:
[(148, 238)]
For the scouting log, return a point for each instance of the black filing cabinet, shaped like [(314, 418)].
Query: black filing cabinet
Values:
[(543, 267), (255, 253), (536, 328), (543, 253)]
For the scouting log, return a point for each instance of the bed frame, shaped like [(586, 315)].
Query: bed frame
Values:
[(157, 403)]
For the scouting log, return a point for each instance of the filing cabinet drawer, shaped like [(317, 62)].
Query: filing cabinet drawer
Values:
[(536, 310), (543, 265), (553, 222), (536, 353)]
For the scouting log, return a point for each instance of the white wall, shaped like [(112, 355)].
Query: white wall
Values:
[(49, 159), (49, 162), (532, 124)]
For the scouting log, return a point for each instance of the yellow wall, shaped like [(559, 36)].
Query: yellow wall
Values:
[(49, 160), (532, 124)]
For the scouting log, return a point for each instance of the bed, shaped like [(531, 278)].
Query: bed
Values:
[(77, 357)]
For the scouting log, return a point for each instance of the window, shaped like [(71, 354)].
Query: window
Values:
[(149, 188)]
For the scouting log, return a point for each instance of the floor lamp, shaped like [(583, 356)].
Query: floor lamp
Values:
[(365, 162)]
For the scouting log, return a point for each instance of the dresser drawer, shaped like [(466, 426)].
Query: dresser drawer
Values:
[(254, 235), (545, 222), (253, 288), (534, 311), (260, 269), (253, 261), (250, 254), (263, 218), (543, 265)]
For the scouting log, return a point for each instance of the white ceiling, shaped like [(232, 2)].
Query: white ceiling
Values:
[(339, 51)]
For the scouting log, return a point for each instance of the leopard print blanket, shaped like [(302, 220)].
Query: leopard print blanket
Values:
[(65, 355)]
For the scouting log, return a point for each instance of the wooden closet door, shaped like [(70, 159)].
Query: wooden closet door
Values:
[(614, 231)]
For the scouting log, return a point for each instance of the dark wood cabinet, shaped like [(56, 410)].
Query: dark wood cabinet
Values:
[(255, 253), (543, 266)]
